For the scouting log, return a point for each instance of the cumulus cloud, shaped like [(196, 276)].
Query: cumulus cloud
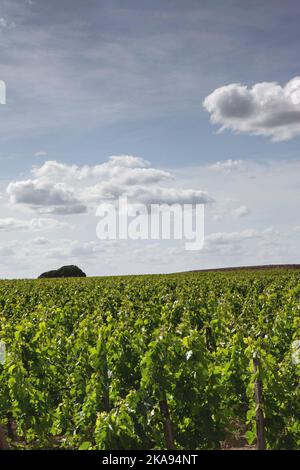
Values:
[(266, 109), (122, 169), (147, 194), (52, 187), (43, 196)]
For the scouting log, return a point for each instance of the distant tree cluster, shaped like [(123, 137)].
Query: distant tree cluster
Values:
[(64, 271)]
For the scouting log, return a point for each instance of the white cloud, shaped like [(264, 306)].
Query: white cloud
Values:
[(52, 170), (229, 165), (54, 185), (243, 247), (55, 198), (159, 195), (10, 224), (6, 24), (75, 249), (47, 224), (232, 237), (40, 241), (122, 169), (229, 241), (266, 109), (78, 249), (40, 153), (241, 211)]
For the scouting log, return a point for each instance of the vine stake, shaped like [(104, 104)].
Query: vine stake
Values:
[(168, 431), (260, 425)]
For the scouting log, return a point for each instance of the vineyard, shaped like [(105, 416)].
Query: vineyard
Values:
[(185, 361)]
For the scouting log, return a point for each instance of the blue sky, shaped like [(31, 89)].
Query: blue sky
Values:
[(90, 79)]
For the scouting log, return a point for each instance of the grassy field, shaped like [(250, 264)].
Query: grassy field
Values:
[(152, 362)]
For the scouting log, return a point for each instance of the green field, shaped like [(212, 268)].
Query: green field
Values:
[(150, 362)]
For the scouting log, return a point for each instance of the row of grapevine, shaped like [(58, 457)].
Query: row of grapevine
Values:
[(151, 362)]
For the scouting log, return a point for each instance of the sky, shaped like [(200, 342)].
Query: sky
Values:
[(163, 101)]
